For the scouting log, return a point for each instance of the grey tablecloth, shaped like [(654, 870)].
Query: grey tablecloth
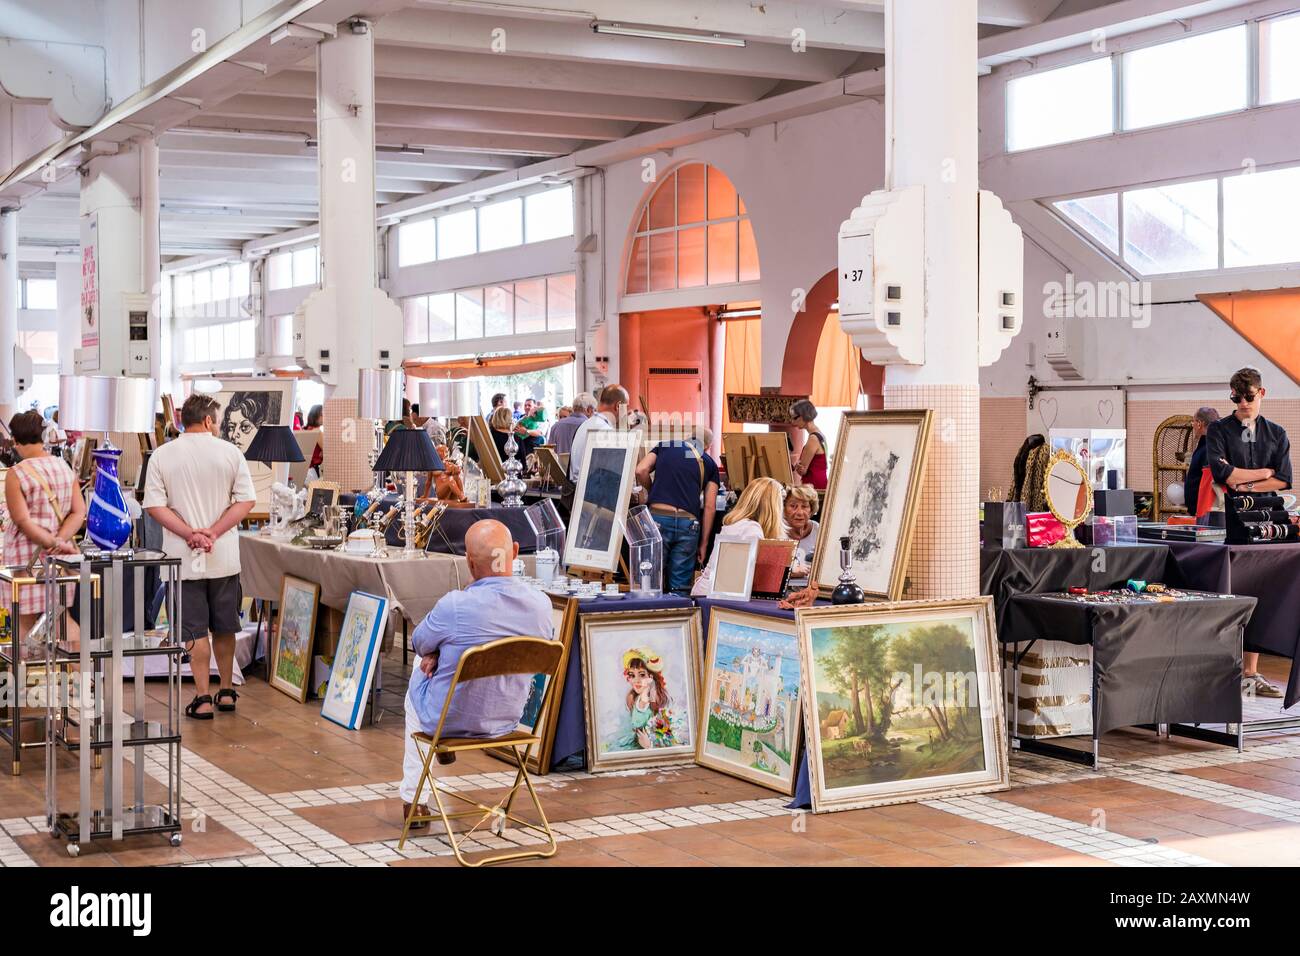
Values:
[(413, 585)]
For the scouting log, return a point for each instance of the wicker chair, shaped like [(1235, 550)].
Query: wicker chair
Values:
[(1171, 453)]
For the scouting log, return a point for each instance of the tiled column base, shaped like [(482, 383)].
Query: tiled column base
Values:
[(945, 543), (348, 441)]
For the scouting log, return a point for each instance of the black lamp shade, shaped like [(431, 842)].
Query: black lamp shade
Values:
[(409, 449), (274, 443)]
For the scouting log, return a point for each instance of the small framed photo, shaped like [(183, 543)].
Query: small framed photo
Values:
[(321, 495), (291, 652), (733, 570)]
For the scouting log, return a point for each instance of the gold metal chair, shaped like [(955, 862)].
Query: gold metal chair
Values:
[(510, 655)]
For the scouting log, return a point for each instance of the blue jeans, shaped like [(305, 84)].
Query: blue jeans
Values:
[(681, 543)]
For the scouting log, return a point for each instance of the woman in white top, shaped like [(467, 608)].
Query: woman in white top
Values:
[(800, 506), (757, 515)]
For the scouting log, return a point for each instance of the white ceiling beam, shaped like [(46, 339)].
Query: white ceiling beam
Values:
[(306, 165), (1014, 13), (459, 32), (773, 21), (426, 138), (537, 73), (181, 143), (414, 117), (395, 91), (242, 192), (174, 174)]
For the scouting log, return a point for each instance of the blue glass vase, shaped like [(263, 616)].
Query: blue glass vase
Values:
[(107, 521)]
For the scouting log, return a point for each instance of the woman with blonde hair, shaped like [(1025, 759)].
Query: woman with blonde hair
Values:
[(758, 514)]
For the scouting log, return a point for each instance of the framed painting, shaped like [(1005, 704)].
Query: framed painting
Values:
[(733, 570), (321, 495), (753, 455), (872, 498), (552, 470), (246, 404), (600, 502), (355, 659), (772, 569), (902, 702), (640, 682), (564, 617), (291, 655), (750, 722), (489, 458)]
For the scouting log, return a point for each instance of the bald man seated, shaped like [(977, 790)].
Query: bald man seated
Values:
[(495, 605)]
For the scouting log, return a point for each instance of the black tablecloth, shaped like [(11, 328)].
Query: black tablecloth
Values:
[(1010, 571), (449, 536), (1268, 572), (1153, 663)]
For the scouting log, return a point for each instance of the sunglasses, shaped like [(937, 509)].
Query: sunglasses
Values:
[(1238, 399)]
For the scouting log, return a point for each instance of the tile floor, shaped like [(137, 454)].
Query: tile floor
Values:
[(275, 785)]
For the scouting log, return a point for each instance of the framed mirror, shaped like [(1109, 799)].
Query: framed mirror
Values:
[(1069, 495)]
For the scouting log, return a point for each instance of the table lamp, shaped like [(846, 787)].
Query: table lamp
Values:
[(409, 450), (101, 403), (379, 398), (275, 445)]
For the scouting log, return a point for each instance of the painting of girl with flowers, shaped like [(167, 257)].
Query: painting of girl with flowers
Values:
[(641, 682)]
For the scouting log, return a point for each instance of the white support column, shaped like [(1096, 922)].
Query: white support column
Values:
[(8, 309), (932, 141), (67, 279), (151, 251), (350, 317)]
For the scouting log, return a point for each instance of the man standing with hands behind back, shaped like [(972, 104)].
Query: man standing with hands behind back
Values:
[(1248, 453), (199, 490)]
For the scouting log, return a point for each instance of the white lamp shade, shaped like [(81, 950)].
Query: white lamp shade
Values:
[(379, 393), (449, 398), (94, 403)]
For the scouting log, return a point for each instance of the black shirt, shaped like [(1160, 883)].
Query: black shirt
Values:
[(1192, 484), (1226, 439), (677, 476)]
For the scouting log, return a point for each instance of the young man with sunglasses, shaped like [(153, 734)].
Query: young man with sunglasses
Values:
[(1246, 452)]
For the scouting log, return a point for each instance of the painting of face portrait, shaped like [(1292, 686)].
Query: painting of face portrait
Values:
[(245, 405), (751, 723), (871, 498), (641, 685), (902, 702)]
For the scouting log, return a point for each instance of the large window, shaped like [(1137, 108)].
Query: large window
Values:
[(1058, 106), (1196, 76), (502, 224), (209, 292), (544, 304), (222, 342), (290, 270), (1279, 59), (38, 294), (1176, 227), (693, 231)]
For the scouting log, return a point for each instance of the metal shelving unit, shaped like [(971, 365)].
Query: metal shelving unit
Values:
[(100, 726)]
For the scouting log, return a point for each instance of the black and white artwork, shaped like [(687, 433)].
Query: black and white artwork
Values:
[(600, 503), (246, 405), (872, 497)]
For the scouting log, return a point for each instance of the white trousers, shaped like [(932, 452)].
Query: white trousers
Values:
[(411, 762)]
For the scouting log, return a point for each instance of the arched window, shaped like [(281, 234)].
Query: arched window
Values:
[(693, 231)]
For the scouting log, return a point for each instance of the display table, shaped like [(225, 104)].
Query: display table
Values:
[(412, 584), (1152, 663), (1267, 572), (1009, 571), (449, 536), (571, 723)]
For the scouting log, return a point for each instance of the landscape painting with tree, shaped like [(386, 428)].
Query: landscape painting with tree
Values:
[(902, 701)]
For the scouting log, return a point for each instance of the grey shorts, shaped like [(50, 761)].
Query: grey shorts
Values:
[(210, 606)]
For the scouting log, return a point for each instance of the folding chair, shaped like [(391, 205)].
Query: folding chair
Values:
[(510, 655)]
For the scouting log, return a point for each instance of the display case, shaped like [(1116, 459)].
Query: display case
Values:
[(544, 518), (1101, 451), (645, 559), (97, 724)]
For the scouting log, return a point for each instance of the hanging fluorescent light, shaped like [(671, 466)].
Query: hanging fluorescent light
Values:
[(660, 33)]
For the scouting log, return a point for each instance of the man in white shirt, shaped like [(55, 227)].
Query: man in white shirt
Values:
[(199, 490), (611, 397)]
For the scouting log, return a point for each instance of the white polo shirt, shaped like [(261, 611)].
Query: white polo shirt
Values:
[(199, 476), (599, 421)]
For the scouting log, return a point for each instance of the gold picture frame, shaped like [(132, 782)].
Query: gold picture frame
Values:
[(839, 514), (317, 489), (860, 778), (565, 614), (716, 691), (286, 683), (606, 638), (753, 455), (489, 458)]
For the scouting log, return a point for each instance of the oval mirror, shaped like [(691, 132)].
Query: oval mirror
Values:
[(1067, 489)]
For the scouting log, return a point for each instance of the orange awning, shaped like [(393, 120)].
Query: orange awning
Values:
[(488, 365)]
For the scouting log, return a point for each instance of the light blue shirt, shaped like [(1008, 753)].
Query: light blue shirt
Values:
[(490, 608)]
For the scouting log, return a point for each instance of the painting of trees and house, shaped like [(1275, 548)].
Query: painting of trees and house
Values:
[(897, 701)]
